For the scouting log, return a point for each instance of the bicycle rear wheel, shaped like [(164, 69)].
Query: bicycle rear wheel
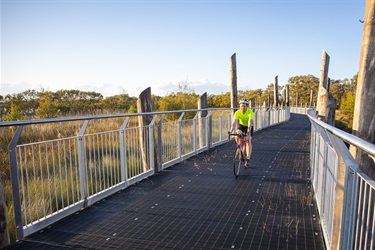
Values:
[(238, 161)]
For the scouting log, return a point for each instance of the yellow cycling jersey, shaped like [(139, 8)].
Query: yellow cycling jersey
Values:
[(244, 118)]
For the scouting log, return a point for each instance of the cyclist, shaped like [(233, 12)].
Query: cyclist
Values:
[(244, 121)]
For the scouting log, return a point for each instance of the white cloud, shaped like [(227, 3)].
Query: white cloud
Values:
[(104, 89), (199, 87), (161, 89), (14, 88)]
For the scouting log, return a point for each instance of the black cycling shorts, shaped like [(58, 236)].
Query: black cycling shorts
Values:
[(244, 129)]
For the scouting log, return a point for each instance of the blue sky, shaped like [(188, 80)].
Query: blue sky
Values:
[(119, 46)]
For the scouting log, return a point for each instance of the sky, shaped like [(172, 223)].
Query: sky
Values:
[(121, 46)]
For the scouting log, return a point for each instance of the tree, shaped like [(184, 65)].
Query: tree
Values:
[(302, 85), (47, 106), (14, 113), (219, 101), (118, 102)]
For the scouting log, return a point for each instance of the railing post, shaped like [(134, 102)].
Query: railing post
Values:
[(152, 143), (15, 183), (124, 168), (220, 126), (160, 144), (179, 147), (195, 132), (82, 163), (345, 198), (209, 130)]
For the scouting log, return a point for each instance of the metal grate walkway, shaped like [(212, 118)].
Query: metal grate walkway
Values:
[(198, 204)]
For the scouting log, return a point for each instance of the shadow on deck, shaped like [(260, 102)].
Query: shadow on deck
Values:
[(198, 204)]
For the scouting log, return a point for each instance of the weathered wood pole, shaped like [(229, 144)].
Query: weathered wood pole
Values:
[(311, 97), (287, 95), (326, 103), (276, 92), (233, 82), (364, 115), (4, 235), (284, 96), (252, 103), (202, 104), (297, 99), (268, 102), (144, 105)]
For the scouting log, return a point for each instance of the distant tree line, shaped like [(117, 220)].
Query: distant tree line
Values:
[(32, 104)]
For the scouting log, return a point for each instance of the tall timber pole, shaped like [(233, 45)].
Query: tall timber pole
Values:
[(364, 115), (276, 92), (326, 103), (233, 81)]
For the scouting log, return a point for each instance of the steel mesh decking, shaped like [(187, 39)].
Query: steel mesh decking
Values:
[(198, 204)]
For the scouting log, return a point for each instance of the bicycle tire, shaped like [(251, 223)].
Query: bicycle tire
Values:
[(238, 161)]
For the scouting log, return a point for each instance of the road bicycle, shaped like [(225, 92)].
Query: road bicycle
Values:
[(239, 156)]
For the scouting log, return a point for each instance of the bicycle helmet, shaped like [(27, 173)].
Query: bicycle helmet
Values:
[(244, 101)]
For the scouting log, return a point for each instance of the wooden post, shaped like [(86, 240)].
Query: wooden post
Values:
[(364, 116), (202, 104), (311, 98), (4, 235), (326, 103), (297, 99), (252, 103), (287, 95), (276, 93), (233, 82), (144, 105), (284, 97)]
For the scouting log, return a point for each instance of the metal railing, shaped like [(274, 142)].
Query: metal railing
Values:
[(345, 196), (57, 177)]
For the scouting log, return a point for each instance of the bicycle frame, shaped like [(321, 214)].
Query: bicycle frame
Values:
[(240, 153)]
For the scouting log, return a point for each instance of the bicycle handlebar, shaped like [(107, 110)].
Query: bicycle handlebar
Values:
[(235, 134)]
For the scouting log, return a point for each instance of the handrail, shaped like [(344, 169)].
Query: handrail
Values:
[(343, 192), (81, 118), (349, 138)]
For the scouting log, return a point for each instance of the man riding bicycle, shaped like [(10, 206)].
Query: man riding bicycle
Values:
[(244, 121)]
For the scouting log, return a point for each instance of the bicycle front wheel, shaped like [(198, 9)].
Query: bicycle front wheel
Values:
[(238, 161)]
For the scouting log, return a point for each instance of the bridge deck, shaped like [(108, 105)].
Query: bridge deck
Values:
[(198, 204)]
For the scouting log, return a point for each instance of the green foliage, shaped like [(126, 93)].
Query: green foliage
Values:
[(132, 109), (47, 106), (183, 100), (302, 86), (13, 114), (347, 104), (118, 102), (219, 101), (76, 101)]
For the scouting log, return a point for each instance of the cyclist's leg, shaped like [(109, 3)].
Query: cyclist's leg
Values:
[(240, 130), (249, 148)]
